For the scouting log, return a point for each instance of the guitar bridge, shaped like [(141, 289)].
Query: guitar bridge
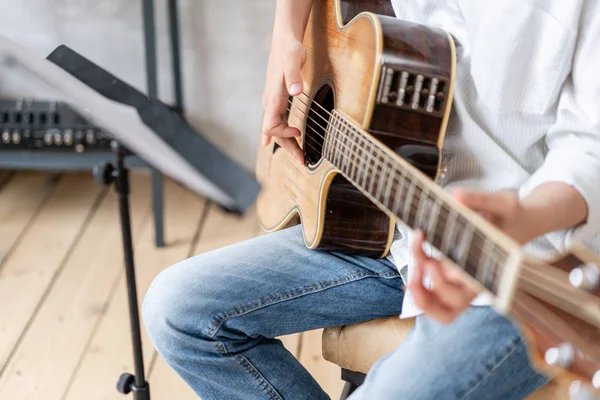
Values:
[(414, 91)]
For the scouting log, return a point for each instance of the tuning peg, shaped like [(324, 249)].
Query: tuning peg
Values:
[(586, 277), (596, 380), (561, 356), (579, 392)]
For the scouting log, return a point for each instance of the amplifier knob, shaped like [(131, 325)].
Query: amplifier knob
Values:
[(48, 139), (16, 137), (6, 137), (90, 138), (79, 148), (68, 139), (57, 139)]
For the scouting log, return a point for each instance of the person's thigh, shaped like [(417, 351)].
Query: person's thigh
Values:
[(481, 355), (272, 285)]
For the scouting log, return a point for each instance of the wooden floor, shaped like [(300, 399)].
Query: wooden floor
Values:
[(64, 327)]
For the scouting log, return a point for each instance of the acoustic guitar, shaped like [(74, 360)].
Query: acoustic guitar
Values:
[(376, 101)]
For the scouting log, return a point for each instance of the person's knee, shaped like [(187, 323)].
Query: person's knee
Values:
[(175, 307)]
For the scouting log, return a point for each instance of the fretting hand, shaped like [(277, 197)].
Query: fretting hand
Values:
[(549, 207)]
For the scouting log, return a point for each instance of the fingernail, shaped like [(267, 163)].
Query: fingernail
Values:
[(295, 88)]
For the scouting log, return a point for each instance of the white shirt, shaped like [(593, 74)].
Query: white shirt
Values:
[(526, 107)]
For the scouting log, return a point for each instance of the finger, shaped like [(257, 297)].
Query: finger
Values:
[(273, 115), (494, 203), (275, 103), (266, 139), (454, 294), (291, 145), (283, 131), (493, 219), (417, 246), (425, 299), (429, 302), (292, 72)]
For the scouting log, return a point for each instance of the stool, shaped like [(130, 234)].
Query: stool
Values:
[(355, 348)]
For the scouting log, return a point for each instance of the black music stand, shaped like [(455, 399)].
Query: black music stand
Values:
[(141, 125)]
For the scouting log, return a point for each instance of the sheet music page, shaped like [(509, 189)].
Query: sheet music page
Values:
[(24, 74)]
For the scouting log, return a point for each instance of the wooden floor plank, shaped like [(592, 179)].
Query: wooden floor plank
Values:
[(5, 176), (292, 343), (110, 352), (20, 199), (220, 229), (327, 374), (166, 384), (31, 267), (49, 352)]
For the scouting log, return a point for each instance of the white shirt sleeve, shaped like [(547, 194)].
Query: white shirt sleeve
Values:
[(574, 140)]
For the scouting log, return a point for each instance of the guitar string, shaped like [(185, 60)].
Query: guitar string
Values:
[(383, 167), (415, 183), (387, 163), (492, 256)]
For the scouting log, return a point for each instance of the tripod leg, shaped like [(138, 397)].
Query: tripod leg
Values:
[(139, 386)]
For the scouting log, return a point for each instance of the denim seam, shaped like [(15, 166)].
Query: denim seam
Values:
[(511, 349), (289, 295), (263, 383)]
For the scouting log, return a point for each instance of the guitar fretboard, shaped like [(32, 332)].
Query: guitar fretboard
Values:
[(411, 197)]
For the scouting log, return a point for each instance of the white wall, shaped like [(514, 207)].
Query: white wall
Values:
[(224, 43)]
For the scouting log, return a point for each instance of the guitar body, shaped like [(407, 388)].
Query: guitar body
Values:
[(356, 52)]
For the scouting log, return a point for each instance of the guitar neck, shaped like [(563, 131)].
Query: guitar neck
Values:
[(410, 196)]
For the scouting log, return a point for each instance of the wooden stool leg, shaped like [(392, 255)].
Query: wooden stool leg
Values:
[(349, 388), (353, 381)]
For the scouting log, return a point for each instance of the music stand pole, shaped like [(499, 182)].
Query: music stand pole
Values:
[(118, 176)]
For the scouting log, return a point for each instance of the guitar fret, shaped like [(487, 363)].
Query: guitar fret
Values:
[(381, 181), (339, 134), (388, 187), (441, 225), (355, 149), (408, 202), (356, 155), (473, 264), (373, 176), (404, 178), (332, 144), (485, 274), (421, 209), (464, 245), (449, 231), (326, 142), (398, 199), (337, 154), (346, 164), (433, 221), (364, 161)]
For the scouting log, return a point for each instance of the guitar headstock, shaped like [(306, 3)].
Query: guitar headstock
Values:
[(558, 307)]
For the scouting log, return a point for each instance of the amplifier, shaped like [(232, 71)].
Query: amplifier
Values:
[(47, 126)]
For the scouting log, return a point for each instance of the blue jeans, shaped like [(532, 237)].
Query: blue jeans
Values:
[(214, 317)]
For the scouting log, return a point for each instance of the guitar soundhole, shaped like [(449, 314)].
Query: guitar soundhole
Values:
[(316, 124)]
